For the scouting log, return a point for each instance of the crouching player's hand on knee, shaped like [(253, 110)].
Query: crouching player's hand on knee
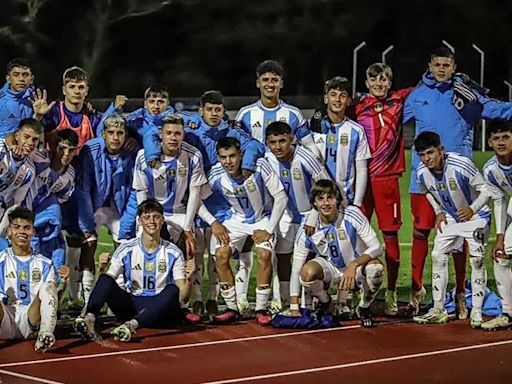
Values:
[(103, 261), (260, 235), (348, 280), (440, 219)]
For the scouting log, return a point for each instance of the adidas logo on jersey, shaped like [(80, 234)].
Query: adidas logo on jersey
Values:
[(256, 125), (11, 275), (137, 267)]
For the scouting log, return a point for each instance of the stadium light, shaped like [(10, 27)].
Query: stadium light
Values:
[(509, 85), (482, 66), (385, 52), (354, 66), (451, 47)]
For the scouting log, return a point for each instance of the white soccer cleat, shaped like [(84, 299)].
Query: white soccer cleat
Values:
[(244, 307), (44, 341), (476, 319), (276, 306), (502, 321), (434, 316)]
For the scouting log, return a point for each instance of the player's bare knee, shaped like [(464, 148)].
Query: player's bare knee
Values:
[(309, 272), (263, 256), (222, 256)]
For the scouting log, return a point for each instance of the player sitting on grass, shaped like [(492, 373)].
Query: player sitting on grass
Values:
[(458, 194), (155, 278), (27, 286), (498, 174), (247, 217), (346, 253)]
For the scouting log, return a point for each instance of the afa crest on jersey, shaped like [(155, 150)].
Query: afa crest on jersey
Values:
[(162, 266), (342, 235), (344, 139), (297, 174), (182, 171), (239, 191), (442, 187), (149, 266), (251, 187), (285, 173), (452, 184), (36, 275), (330, 237)]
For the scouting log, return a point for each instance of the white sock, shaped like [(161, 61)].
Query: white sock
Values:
[(75, 276), (306, 299), (49, 305), (243, 275), (228, 293), (213, 280), (197, 285), (439, 279), (503, 275), (132, 324), (262, 296), (87, 285), (316, 287), (478, 281), (371, 284)]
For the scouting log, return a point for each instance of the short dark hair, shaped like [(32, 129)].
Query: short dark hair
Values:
[(499, 126), (156, 89), (212, 97), (32, 124), (173, 118), (18, 62), (22, 213), (323, 187), (228, 142), (150, 205), (442, 52), (339, 83), (278, 128), (271, 66), (74, 74), (68, 135), (426, 140), (376, 69)]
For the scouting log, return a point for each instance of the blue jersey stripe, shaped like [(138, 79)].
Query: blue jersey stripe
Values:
[(354, 143)]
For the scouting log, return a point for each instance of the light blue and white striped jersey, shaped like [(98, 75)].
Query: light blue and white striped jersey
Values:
[(341, 146), (344, 240), (499, 177), (457, 186), (15, 176), (147, 274), (255, 118), (21, 277), (246, 198), (169, 184), (48, 183), (297, 177)]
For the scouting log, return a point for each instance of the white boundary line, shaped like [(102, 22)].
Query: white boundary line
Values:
[(22, 376), (183, 346), (361, 363)]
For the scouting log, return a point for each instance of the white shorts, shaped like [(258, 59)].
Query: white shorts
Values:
[(175, 224), (333, 275), (15, 324), (238, 233), (286, 234), (203, 236), (109, 217), (475, 232)]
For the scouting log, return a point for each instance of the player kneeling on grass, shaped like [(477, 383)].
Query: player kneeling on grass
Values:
[(347, 251), (458, 194), (247, 198), (155, 276), (27, 286), (497, 173)]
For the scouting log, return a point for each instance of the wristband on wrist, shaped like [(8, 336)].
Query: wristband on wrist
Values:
[(294, 307)]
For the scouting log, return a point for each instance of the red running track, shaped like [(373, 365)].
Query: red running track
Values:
[(389, 353)]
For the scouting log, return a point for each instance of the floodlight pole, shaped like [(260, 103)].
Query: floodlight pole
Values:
[(451, 47), (509, 85), (385, 52), (482, 66), (354, 66)]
